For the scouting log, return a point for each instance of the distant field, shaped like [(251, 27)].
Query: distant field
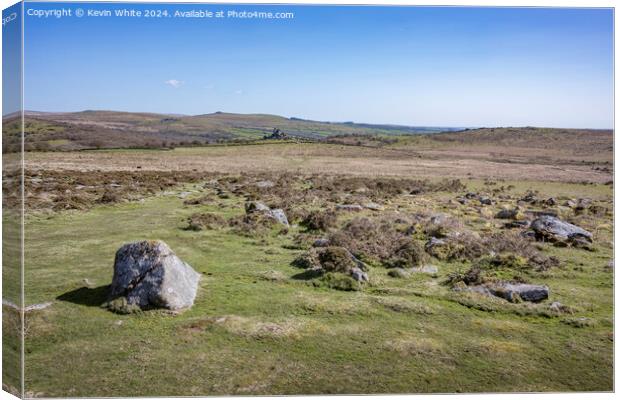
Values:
[(334, 159)]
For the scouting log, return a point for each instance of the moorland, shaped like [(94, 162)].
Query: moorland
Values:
[(438, 218)]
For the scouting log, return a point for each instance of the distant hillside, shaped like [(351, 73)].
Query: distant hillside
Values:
[(532, 138), (111, 129)]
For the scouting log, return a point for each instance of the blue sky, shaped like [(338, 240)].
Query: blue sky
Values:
[(399, 65)]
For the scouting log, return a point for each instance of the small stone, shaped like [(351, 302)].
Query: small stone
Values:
[(426, 269), (264, 184), (373, 206), (349, 207), (398, 273), (359, 275), (279, 215), (507, 214), (321, 243), (255, 206), (485, 201)]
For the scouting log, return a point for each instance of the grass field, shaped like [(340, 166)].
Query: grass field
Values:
[(259, 325)]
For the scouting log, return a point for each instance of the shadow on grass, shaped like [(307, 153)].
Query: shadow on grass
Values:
[(92, 297), (307, 275)]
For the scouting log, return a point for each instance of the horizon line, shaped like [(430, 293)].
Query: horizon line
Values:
[(461, 127)]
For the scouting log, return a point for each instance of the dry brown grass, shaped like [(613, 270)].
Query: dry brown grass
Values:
[(326, 159)]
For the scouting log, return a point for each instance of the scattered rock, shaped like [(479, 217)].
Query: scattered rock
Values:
[(529, 197), (255, 206), (321, 243), (398, 273), (572, 203), (373, 206), (517, 224), (485, 201), (426, 269), (514, 213), (436, 247), (265, 184), (551, 202), (548, 228), (333, 259), (513, 292), (279, 215), (349, 207), (583, 204), (520, 291), (560, 308), (438, 219), (359, 275), (147, 274)]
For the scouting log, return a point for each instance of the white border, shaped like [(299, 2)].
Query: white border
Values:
[(479, 3)]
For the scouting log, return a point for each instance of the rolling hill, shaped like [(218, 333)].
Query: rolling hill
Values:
[(111, 129)]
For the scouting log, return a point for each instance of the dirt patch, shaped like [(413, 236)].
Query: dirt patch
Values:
[(250, 327)]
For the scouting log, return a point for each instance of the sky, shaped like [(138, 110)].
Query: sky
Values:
[(422, 66)]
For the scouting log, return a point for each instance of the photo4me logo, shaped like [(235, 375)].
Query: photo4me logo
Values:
[(9, 18)]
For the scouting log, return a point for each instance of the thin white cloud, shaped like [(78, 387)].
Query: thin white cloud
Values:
[(239, 91), (174, 83), (209, 87)]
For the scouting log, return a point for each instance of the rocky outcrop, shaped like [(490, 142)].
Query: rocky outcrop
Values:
[(333, 259), (277, 214), (513, 292)]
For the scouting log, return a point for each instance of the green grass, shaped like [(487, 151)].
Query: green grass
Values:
[(254, 330), (11, 292)]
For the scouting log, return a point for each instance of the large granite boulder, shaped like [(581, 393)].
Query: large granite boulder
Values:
[(514, 292), (554, 229), (147, 274)]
